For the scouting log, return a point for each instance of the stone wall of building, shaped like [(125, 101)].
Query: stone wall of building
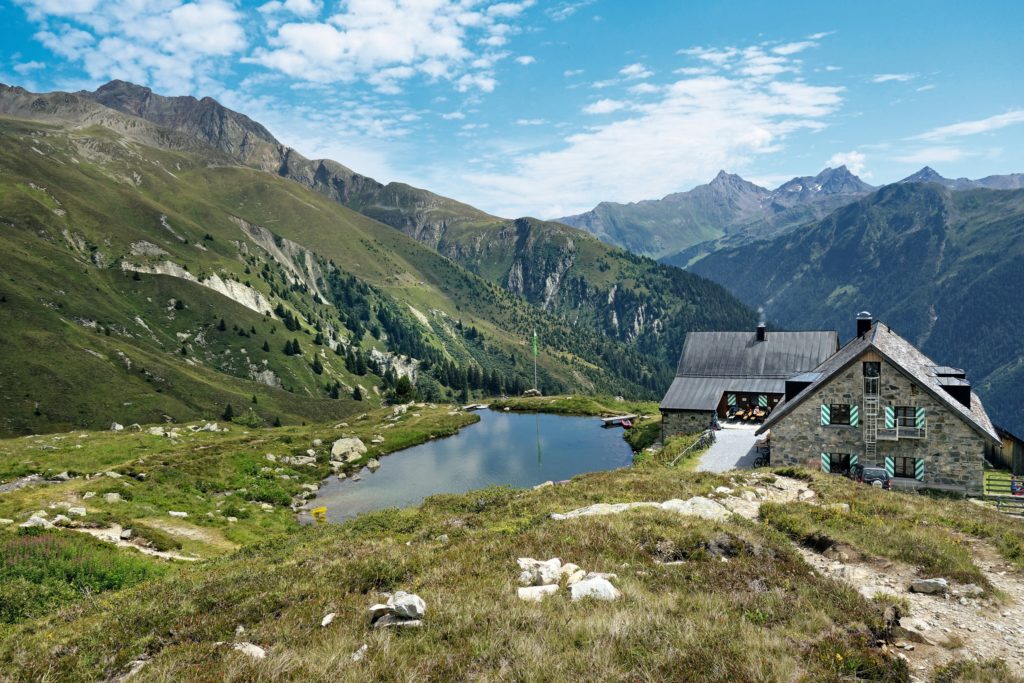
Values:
[(684, 422), (953, 451)]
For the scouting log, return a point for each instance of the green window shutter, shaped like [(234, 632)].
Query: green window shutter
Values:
[(826, 414), (854, 415), (853, 460), (919, 469), (920, 418), (890, 417), (730, 399), (762, 400), (890, 466), (826, 463)]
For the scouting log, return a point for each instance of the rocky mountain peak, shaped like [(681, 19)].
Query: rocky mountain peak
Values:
[(925, 175)]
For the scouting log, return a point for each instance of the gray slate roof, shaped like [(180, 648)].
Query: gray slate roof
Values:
[(713, 363), (905, 356)]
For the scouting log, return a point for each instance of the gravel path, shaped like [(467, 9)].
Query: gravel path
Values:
[(733, 448)]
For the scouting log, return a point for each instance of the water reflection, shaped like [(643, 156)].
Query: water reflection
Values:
[(497, 450)]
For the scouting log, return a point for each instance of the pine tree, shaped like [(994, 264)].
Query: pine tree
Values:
[(266, 346), (317, 366), (229, 413), (277, 421), (222, 326), (254, 399), (357, 393)]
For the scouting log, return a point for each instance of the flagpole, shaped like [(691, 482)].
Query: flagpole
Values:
[(535, 359)]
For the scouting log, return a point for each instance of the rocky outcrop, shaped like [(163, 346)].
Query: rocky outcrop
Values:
[(236, 291)]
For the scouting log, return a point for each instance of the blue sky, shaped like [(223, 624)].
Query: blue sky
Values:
[(545, 108)]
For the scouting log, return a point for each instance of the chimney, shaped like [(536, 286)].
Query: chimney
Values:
[(762, 332), (864, 323)]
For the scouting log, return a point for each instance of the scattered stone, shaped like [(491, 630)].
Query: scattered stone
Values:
[(254, 651), (35, 521), (349, 449), (76, 511), (392, 620), (402, 609), (373, 465), (597, 588), (724, 490), (538, 572), (749, 496), (210, 427), (126, 534), (911, 630), (576, 577), (88, 494), (116, 427), (443, 538), (271, 457), (63, 476), (317, 443), (805, 494), (326, 621), (266, 507), (112, 497), (970, 590), (5, 522), (231, 520), (544, 485), (60, 520), (930, 586), (537, 593), (360, 653), (114, 475), (177, 513)]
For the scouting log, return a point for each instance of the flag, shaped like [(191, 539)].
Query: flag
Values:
[(535, 343)]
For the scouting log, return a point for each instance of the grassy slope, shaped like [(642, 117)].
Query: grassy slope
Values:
[(76, 207), (760, 616)]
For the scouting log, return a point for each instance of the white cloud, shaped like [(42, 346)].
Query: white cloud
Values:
[(564, 10), (932, 155), (604, 84), (530, 122), (306, 9), (28, 67), (168, 44), (643, 89), (526, 60), (695, 127), (898, 78), (569, 73), (793, 48), (435, 38), (852, 160), (454, 115), (635, 71), (605, 106), (924, 88), (957, 130)]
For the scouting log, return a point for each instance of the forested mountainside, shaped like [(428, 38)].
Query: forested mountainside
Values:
[(129, 243), (728, 205), (944, 268), (604, 291)]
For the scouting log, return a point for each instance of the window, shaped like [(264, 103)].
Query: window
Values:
[(906, 416), (904, 467), (840, 414), (840, 463), (872, 369)]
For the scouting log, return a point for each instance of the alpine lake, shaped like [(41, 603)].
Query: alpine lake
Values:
[(505, 448)]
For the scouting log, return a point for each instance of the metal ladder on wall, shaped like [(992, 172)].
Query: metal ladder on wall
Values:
[(870, 419)]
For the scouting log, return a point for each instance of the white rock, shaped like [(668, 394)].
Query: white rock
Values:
[(254, 651), (326, 621), (271, 457), (360, 653), (34, 521), (112, 497), (576, 577), (373, 464), (231, 520), (392, 620), (76, 511), (568, 569), (698, 506), (540, 572), (806, 494), (601, 509), (113, 475), (177, 513), (544, 485), (60, 520), (407, 605), (116, 427), (317, 443), (537, 593), (349, 449), (723, 490), (749, 496), (597, 588), (4, 521), (88, 494)]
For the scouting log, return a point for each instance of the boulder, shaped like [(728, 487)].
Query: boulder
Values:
[(360, 653), (597, 588), (88, 494), (373, 464), (544, 485), (805, 495), (748, 496), (539, 573), (177, 513), (63, 476), (155, 431), (349, 449), (537, 593), (210, 427), (254, 651), (930, 586), (317, 443), (113, 475), (326, 621), (126, 534), (911, 630), (60, 520), (724, 490), (35, 521), (576, 577), (112, 497), (698, 506), (76, 511), (407, 605), (116, 427)]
